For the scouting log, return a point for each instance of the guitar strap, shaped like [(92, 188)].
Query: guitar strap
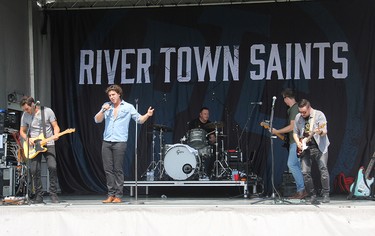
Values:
[(312, 121), (43, 122)]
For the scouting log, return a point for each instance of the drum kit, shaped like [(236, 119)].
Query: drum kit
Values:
[(186, 160)]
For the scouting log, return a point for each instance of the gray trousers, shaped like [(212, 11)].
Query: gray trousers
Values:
[(113, 154), (321, 159)]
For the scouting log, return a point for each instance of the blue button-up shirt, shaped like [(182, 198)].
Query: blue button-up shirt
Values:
[(117, 129)]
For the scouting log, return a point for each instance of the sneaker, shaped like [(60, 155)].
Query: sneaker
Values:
[(314, 200), (326, 198), (54, 198)]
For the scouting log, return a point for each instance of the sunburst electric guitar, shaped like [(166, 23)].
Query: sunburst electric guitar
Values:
[(306, 140), (40, 142)]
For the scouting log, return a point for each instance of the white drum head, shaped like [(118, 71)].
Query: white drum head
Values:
[(180, 162)]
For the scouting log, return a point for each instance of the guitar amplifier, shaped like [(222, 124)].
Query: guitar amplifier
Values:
[(233, 156), (7, 181), (288, 178)]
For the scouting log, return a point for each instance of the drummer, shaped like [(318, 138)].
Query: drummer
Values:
[(200, 122)]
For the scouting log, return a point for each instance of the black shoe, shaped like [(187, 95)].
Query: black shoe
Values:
[(37, 200), (54, 198)]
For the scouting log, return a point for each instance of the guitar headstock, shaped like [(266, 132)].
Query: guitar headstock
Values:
[(265, 124), (70, 130)]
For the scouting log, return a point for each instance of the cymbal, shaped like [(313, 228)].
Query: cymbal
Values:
[(162, 127), (213, 125)]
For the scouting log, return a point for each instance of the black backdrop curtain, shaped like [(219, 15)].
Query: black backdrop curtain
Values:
[(223, 57)]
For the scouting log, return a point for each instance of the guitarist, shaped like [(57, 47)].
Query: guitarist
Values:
[(293, 161), (32, 125), (311, 123)]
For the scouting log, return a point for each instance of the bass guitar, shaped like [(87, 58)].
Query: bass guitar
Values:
[(306, 140), (266, 125), (361, 187), (40, 142)]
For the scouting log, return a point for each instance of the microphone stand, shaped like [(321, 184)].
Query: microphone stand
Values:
[(272, 137), (136, 155), (27, 196)]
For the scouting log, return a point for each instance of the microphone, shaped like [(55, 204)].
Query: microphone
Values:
[(256, 103), (37, 103), (273, 101)]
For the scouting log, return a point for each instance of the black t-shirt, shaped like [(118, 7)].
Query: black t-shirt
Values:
[(197, 123)]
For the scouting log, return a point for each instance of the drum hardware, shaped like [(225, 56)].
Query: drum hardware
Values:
[(219, 168), (158, 166), (152, 166), (214, 125)]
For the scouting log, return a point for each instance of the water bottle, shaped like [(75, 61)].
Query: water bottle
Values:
[(150, 175)]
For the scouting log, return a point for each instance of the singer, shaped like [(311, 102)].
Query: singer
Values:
[(36, 121), (117, 114)]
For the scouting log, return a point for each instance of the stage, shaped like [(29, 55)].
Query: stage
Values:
[(156, 214)]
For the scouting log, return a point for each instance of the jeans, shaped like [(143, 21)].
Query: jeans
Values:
[(294, 166), (35, 171), (113, 154), (321, 159)]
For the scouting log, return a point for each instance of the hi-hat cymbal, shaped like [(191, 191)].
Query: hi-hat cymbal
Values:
[(162, 127), (214, 125)]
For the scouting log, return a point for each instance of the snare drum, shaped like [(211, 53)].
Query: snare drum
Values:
[(205, 151), (181, 162), (197, 138)]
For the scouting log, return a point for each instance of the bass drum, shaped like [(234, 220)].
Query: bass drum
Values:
[(181, 162)]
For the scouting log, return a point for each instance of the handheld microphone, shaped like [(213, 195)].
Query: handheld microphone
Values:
[(273, 101), (37, 103), (256, 103)]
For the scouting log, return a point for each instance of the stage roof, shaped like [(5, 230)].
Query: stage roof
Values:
[(94, 4)]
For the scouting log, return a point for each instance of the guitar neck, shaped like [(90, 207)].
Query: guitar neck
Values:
[(52, 137), (266, 126), (369, 167)]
